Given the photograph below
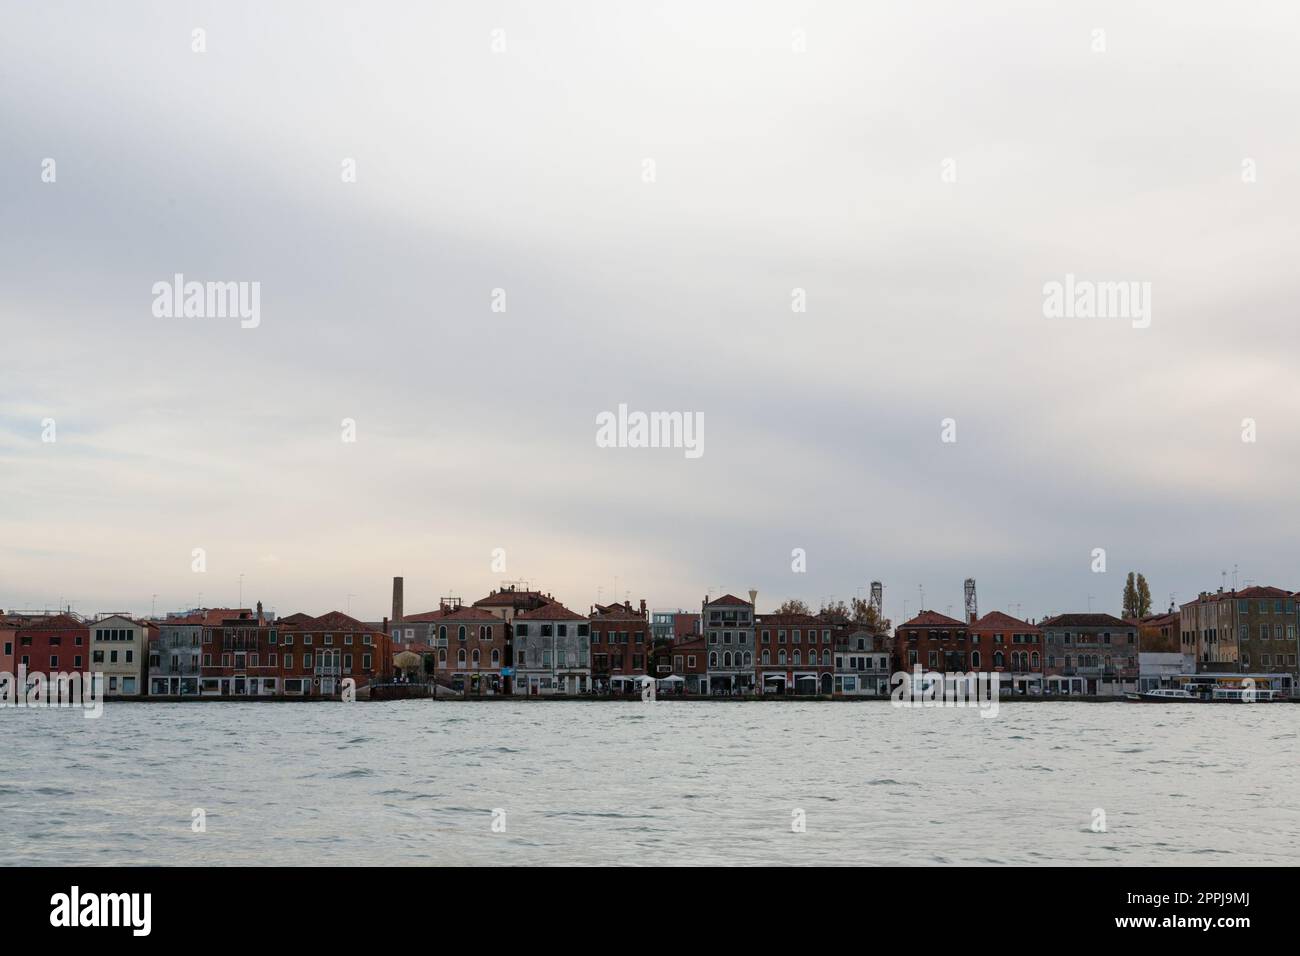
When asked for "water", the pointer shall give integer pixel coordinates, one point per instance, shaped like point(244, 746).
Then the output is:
point(416, 782)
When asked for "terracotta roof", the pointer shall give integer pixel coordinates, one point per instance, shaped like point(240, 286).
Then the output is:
point(462, 613)
point(1256, 591)
point(336, 621)
point(999, 622)
point(298, 618)
point(553, 611)
point(1083, 620)
point(616, 612)
point(216, 616)
point(59, 622)
point(728, 599)
point(932, 619)
point(771, 619)
point(510, 598)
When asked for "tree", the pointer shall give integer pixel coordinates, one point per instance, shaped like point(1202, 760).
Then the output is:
point(793, 606)
point(1144, 596)
point(1137, 596)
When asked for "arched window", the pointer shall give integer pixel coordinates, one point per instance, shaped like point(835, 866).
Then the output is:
point(460, 657)
point(998, 659)
point(442, 657)
point(780, 657)
point(974, 660)
point(713, 658)
point(748, 659)
point(767, 656)
point(1035, 660)
point(496, 657)
point(726, 659)
point(460, 632)
point(798, 659)
point(826, 658)
point(476, 657)
point(442, 633)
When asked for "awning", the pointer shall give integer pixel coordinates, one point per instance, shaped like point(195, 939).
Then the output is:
point(672, 679)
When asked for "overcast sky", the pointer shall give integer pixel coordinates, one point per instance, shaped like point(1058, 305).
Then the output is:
point(794, 146)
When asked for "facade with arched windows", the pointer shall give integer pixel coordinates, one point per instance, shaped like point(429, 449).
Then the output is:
point(727, 624)
point(1009, 647)
point(470, 647)
point(796, 654)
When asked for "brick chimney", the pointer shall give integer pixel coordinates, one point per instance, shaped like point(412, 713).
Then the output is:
point(397, 601)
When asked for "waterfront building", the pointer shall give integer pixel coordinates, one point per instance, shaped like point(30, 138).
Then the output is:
point(318, 654)
point(1090, 654)
point(728, 625)
point(240, 653)
point(862, 664)
point(620, 646)
point(470, 644)
point(1006, 645)
point(552, 650)
point(8, 641)
point(795, 654)
point(119, 649)
point(1254, 628)
point(176, 651)
point(51, 644)
point(690, 661)
point(933, 641)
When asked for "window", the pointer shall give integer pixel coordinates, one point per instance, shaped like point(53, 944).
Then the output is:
point(365, 662)
point(460, 635)
point(288, 662)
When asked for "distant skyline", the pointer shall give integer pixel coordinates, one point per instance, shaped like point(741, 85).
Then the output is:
point(653, 195)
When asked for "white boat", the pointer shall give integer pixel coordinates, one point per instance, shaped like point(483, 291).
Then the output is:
point(1165, 695)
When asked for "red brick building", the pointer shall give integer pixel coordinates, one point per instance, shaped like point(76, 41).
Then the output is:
point(934, 641)
point(796, 654)
point(470, 644)
point(53, 644)
point(1009, 646)
point(621, 645)
point(318, 653)
point(239, 654)
point(688, 659)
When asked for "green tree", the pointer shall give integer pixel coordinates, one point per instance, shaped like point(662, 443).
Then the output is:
point(1137, 596)
point(1144, 596)
point(793, 606)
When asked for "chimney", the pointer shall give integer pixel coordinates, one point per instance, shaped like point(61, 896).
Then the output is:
point(753, 597)
point(385, 625)
point(260, 619)
point(397, 601)
point(643, 607)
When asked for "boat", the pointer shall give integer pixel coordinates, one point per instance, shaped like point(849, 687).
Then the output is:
point(1165, 695)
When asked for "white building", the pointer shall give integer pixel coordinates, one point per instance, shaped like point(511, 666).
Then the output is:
point(552, 647)
point(119, 649)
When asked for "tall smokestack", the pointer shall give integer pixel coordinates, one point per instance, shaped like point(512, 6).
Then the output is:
point(753, 597)
point(397, 601)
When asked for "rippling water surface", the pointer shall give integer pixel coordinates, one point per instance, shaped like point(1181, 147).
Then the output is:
point(416, 782)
